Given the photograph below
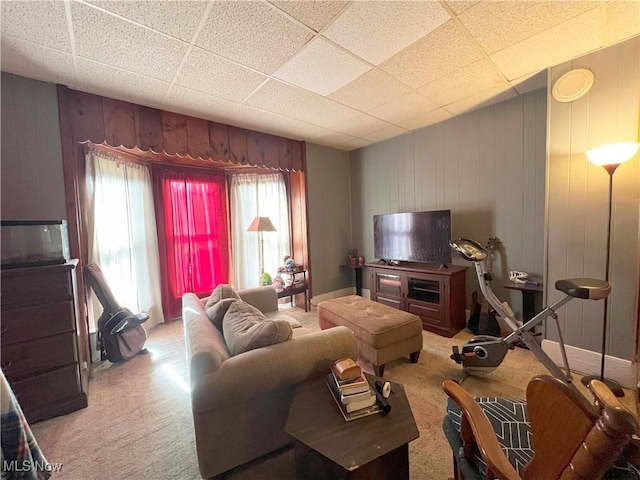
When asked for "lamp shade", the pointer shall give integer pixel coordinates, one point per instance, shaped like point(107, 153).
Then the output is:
point(261, 224)
point(613, 154)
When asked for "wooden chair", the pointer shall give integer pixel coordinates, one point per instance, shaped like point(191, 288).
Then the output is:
point(556, 434)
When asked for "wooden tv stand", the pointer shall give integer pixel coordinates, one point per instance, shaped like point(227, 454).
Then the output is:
point(433, 292)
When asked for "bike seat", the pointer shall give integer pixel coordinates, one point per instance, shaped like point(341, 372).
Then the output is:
point(588, 288)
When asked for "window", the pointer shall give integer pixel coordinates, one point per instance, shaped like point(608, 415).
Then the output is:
point(263, 195)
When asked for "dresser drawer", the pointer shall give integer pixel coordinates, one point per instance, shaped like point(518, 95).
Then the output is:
point(21, 288)
point(46, 389)
point(390, 302)
point(29, 323)
point(430, 313)
point(25, 359)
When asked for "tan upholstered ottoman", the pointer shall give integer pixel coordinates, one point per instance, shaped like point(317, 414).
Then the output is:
point(382, 333)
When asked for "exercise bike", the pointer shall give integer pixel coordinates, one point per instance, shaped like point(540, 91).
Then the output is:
point(483, 354)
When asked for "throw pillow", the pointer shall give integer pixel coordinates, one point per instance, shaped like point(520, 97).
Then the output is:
point(221, 292)
point(217, 311)
point(245, 328)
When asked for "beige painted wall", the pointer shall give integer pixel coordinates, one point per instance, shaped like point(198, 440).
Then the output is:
point(577, 198)
point(31, 155)
point(487, 167)
point(329, 217)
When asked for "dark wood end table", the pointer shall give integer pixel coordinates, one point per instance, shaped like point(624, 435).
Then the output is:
point(531, 298)
point(328, 447)
point(294, 289)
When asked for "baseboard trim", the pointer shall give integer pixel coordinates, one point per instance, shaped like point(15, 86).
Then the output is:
point(587, 362)
point(330, 295)
point(366, 293)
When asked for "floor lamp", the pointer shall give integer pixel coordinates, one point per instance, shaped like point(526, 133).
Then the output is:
point(610, 157)
point(261, 224)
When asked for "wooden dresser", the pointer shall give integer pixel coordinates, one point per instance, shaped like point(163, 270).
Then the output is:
point(40, 356)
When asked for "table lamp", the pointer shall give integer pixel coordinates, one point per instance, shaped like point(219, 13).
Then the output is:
point(261, 224)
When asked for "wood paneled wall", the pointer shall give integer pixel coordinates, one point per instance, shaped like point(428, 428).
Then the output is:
point(487, 167)
point(578, 192)
point(299, 227)
point(103, 120)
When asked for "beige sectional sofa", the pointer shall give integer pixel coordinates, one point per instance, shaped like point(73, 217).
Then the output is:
point(240, 403)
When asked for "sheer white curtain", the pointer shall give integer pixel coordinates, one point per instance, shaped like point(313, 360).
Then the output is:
point(122, 234)
point(253, 195)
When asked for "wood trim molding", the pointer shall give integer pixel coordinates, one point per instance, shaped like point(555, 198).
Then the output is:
point(123, 125)
point(77, 244)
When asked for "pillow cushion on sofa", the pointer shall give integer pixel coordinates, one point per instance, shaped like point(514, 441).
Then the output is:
point(221, 292)
point(245, 328)
point(217, 311)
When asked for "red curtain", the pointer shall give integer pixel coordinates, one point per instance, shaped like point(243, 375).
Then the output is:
point(191, 209)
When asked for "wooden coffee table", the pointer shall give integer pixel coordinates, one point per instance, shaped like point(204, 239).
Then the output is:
point(327, 446)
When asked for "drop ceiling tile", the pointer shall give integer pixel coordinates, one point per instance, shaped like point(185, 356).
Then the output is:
point(252, 34)
point(474, 78)
point(176, 18)
point(254, 119)
point(552, 46)
point(198, 104)
point(330, 138)
point(289, 101)
point(354, 144)
point(496, 25)
point(376, 31)
point(370, 90)
point(428, 59)
point(403, 108)
point(426, 119)
point(361, 125)
point(321, 67)
point(208, 73)
point(32, 60)
point(385, 134)
point(313, 13)
point(112, 82)
point(107, 39)
point(480, 100)
point(459, 6)
point(530, 82)
point(326, 113)
point(43, 22)
point(623, 20)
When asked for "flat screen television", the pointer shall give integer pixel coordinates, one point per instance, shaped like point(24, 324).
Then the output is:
point(413, 237)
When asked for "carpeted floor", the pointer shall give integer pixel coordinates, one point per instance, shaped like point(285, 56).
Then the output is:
point(138, 424)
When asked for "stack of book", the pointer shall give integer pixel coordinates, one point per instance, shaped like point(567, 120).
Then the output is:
point(351, 390)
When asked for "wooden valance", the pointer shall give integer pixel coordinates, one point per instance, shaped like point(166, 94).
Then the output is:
point(103, 120)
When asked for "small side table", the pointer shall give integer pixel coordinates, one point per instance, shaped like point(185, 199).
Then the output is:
point(327, 447)
point(294, 289)
point(531, 298)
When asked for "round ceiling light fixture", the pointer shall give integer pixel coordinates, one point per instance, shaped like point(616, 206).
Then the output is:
point(573, 85)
